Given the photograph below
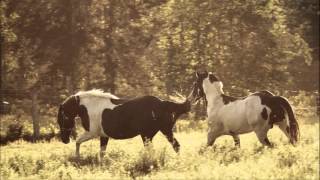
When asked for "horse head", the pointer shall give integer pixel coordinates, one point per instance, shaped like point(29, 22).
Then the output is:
point(67, 112)
point(204, 80)
point(183, 102)
point(197, 90)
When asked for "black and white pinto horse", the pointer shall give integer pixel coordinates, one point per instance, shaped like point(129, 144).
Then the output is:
point(88, 105)
point(257, 112)
point(105, 115)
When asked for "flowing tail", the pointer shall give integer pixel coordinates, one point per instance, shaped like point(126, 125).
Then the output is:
point(293, 123)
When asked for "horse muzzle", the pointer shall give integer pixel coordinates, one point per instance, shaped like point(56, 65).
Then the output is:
point(65, 140)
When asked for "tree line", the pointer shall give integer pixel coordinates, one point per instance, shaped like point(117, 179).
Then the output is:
point(51, 49)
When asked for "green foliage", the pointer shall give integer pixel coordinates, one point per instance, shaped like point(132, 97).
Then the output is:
point(16, 131)
point(129, 159)
point(58, 47)
point(134, 48)
point(144, 164)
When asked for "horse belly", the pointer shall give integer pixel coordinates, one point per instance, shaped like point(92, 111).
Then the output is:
point(234, 119)
point(121, 135)
point(254, 109)
point(119, 128)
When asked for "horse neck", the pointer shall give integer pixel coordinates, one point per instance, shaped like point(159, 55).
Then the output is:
point(214, 101)
point(178, 108)
point(213, 96)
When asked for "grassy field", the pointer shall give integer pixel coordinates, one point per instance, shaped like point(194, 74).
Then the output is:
point(126, 159)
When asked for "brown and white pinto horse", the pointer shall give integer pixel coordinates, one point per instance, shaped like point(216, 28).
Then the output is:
point(257, 112)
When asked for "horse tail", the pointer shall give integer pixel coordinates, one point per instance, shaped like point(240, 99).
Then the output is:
point(59, 118)
point(294, 131)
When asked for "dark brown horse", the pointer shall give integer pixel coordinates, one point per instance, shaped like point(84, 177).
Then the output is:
point(144, 116)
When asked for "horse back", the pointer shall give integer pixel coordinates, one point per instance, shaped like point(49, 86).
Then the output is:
point(132, 118)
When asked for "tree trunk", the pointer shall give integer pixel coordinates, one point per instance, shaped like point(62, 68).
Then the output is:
point(35, 115)
point(170, 79)
point(199, 54)
point(70, 47)
point(110, 64)
point(1, 71)
point(69, 84)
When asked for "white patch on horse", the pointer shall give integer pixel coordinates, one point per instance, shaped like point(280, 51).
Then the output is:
point(153, 115)
point(96, 101)
point(96, 93)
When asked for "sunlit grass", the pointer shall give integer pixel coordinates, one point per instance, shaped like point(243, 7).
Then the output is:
point(126, 159)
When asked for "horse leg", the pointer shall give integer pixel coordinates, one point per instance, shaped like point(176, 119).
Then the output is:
point(103, 145)
point(263, 138)
point(211, 138)
point(173, 141)
point(215, 130)
point(146, 140)
point(84, 137)
point(236, 139)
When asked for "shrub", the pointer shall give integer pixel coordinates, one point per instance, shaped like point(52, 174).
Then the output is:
point(3, 138)
point(17, 131)
point(14, 132)
point(286, 159)
point(148, 160)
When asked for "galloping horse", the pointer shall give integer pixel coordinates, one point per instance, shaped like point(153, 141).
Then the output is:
point(103, 114)
point(257, 112)
point(88, 105)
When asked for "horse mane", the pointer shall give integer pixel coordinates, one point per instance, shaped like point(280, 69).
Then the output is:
point(96, 93)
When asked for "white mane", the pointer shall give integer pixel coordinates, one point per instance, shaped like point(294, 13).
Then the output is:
point(96, 93)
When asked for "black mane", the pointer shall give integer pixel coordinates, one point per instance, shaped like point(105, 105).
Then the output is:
point(227, 99)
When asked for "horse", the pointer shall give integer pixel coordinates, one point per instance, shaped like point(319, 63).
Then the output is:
point(98, 112)
point(88, 105)
point(257, 112)
point(144, 116)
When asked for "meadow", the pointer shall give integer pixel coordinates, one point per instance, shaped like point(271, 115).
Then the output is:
point(127, 159)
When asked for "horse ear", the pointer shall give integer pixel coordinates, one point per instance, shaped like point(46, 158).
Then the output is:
point(197, 74)
point(205, 73)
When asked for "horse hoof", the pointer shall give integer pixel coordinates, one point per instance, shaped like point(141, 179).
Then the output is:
point(203, 149)
point(271, 146)
point(102, 154)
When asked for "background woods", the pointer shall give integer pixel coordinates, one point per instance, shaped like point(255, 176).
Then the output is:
point(51, 49)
